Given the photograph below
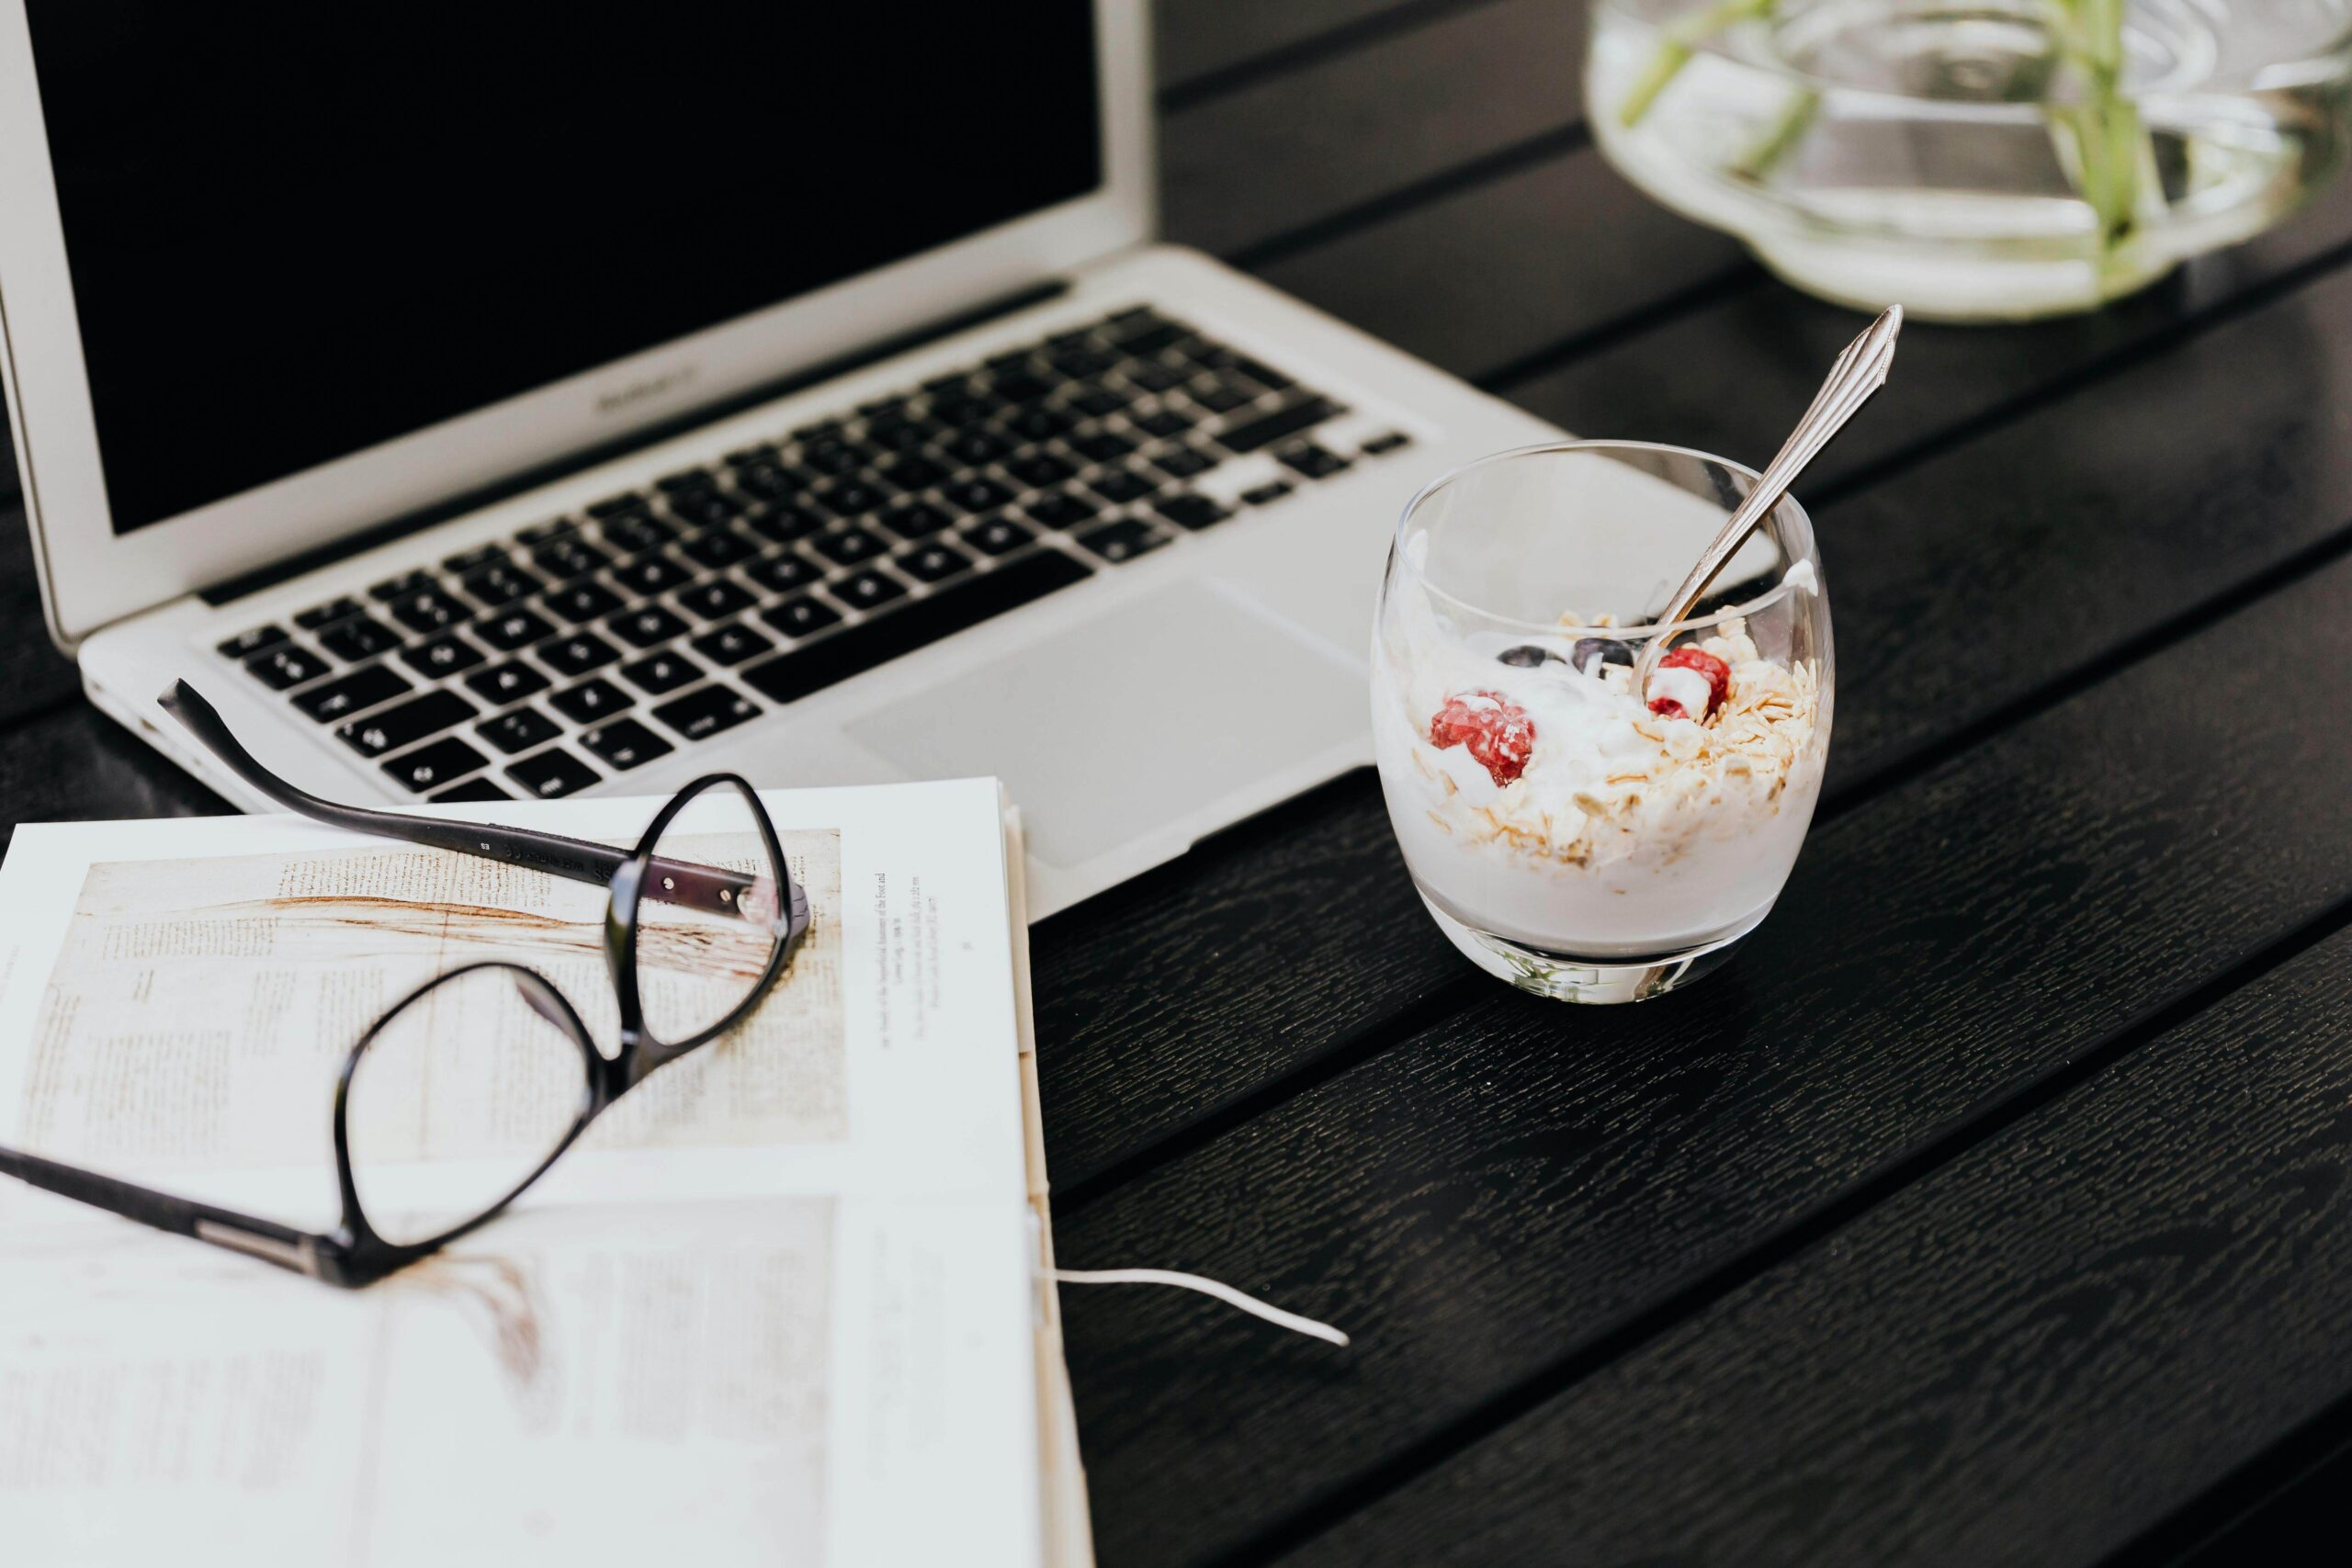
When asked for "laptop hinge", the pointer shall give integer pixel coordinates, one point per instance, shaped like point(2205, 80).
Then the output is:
point(369, 537)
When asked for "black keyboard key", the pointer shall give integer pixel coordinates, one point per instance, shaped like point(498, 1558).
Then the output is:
point(1164, 421)
point(615, 506)
point(648, 575)
point(475, 559)
point(428, 609)
point(1120, 485)
point(1272, 490)
point(429, 765)
point(360, 689)
point(508, 683)
point(683, 480)
point(286, 666)
point(472, 789)
point(636, 535)
point(744, 457)
point(568, 558)
point(1059, 509)
point(868, 590)
point(312, 619)
point(719, 548)
point(704, 714)
point(974, 495)
point(998, 535)
point(501, 583)
point(1183, 462)
point(1387, 442)
point(405, 724)
point(1039, 470)
point(786, 523)
point(358, 638)
point(769, 482)
point(510, 629)
point(590, 701)
point(784, 574)
point(851, 498)
point(900, 433)
point(1022, 386)
point(625, 744)
point(802, 616)
point(934, 562)
point(974, 448)
point(730, 644)
point(519, 730)
point(706, 508)
point(1150, 375)
point(583, 602)
point(576, 654)
point(959, 409)
point(447, 655)
point(553, 773)
point(793, 675)
point(407, 583)
point(834, 455)
point(916, 520)
point(1125, 540)
point(1038, 424)
point(1152, 337)
point(1312, 460)
point(911, 473)
point(1222, 397)
point(1251, 435)
point(661, 672)
point(715, 600)
point(1098, 400)
point(1102, 445)
point(244, 645)
point(540, 533)
point(1264, 375)
point(1190, 511)
point(646, 626)
point(850, 546)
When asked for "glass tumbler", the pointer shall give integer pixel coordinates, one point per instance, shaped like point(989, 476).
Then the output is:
point(1569, 834)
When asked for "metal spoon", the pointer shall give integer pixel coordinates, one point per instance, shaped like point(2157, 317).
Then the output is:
point(1859, 371)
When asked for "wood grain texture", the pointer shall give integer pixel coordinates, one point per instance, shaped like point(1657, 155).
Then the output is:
point(1765, 347)
point(38, 677)
point(1195, 43)
point(1530, 263)
point(1277, 155)
point(1477, 1203)
point(74, 764)
point(2032, 1355)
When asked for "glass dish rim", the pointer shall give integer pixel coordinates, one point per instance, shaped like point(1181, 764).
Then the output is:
point(1640, 631)
point(2253, 77)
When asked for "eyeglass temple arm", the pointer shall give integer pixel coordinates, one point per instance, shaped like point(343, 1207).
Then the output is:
point(577, 859)
point(316, 1255)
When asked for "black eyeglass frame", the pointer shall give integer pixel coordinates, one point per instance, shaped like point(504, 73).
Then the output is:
point(354, 1254)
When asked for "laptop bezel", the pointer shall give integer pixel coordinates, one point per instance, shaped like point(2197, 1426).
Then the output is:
point(90, 576)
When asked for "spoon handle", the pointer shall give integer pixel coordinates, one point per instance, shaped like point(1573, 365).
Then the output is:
point(1859, 371)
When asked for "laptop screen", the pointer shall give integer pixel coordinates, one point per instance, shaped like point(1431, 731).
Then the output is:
point(296, 231)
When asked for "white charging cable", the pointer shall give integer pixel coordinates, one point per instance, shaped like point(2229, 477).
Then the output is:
point(1223, 1292)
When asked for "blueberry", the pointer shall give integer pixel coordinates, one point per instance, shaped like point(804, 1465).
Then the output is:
point(1526, 656)
point(1609, 648)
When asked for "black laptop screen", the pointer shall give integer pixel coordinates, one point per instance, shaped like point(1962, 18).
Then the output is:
point(296, 231)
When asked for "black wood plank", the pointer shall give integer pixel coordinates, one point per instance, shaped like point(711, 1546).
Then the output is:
point(1520, 267)
point(1201, 47)
point(1963, 591)
point(1766, 347)
point(74, 764)
point(1279, 155)
point(39, 677)
point(2032, 1355)
point(1486, 1205)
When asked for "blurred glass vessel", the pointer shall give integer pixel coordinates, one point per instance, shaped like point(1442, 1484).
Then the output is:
point(1975, 159)
point(1569, 835)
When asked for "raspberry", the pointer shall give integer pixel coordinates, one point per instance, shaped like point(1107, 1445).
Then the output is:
point(1716, 673)
point(1498, 732)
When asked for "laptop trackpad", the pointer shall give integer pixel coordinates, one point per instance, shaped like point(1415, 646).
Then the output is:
point(1125, 724)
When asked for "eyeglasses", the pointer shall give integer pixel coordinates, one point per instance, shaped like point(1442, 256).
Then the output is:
point(703, 917)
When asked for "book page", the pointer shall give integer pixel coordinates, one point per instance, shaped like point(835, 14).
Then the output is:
point(783, 1285)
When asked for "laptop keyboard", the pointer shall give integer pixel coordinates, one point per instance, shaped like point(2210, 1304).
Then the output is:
point(588, 645)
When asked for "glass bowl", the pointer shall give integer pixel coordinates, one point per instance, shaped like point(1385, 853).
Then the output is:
point(1974, 159)
point(1569, 836)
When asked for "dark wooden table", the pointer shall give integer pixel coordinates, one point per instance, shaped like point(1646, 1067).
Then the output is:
point(1993, 1205)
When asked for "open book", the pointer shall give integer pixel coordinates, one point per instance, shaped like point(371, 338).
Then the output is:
point(786, 1304)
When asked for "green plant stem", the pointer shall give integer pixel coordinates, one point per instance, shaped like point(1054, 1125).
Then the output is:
point(1674, 51)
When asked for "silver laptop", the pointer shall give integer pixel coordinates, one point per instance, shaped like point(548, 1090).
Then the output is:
point(530, 408)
